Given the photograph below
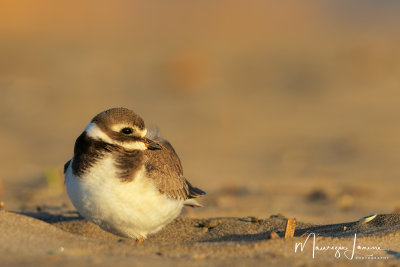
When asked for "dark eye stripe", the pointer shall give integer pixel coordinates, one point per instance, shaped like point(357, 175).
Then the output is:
point(127, 130)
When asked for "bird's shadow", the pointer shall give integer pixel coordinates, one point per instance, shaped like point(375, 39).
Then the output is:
point(52, 218)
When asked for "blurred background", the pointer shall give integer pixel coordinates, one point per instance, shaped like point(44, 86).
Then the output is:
point(287, 107)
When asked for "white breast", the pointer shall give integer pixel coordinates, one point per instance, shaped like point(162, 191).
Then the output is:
point(133, 209)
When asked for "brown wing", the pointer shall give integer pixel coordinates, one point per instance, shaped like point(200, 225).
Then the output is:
point(164, 167)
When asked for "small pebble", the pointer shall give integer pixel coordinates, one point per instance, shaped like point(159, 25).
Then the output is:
point(210, 224)
point(273, 235)
point(251, 219)
point(254, 220)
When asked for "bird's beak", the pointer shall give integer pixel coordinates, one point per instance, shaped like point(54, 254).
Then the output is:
point(151, 145)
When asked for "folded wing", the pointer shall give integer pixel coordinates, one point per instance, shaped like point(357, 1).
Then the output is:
point(165, 169)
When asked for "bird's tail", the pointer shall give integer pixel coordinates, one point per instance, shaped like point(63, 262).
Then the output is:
point(192, 203)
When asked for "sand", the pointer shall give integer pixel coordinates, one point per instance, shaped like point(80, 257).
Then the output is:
point(277, 110)
point(65, 239)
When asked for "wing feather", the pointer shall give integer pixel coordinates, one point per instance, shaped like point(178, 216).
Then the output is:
point(165, 169)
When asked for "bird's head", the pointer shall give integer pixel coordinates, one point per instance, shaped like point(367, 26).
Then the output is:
point(123, 127)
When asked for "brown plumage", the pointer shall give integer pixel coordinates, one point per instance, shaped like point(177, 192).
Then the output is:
point(125, 181)
point(162, 165)
point(165, 169)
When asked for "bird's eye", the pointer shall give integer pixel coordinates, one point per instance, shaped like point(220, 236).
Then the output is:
point(127, 130)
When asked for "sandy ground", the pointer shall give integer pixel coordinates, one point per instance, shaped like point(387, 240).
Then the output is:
point(63, 239)
point(277, 110)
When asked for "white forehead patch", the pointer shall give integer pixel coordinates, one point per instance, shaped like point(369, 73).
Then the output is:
point(93, 131)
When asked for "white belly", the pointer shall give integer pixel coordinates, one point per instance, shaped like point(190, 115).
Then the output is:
point(132, 209)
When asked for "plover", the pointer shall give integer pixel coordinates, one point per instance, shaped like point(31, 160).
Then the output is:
point(124, 180)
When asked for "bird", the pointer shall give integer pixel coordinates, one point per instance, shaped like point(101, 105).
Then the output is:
point(125, 179)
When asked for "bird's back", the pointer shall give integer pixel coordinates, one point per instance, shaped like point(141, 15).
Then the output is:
point(164, 167)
